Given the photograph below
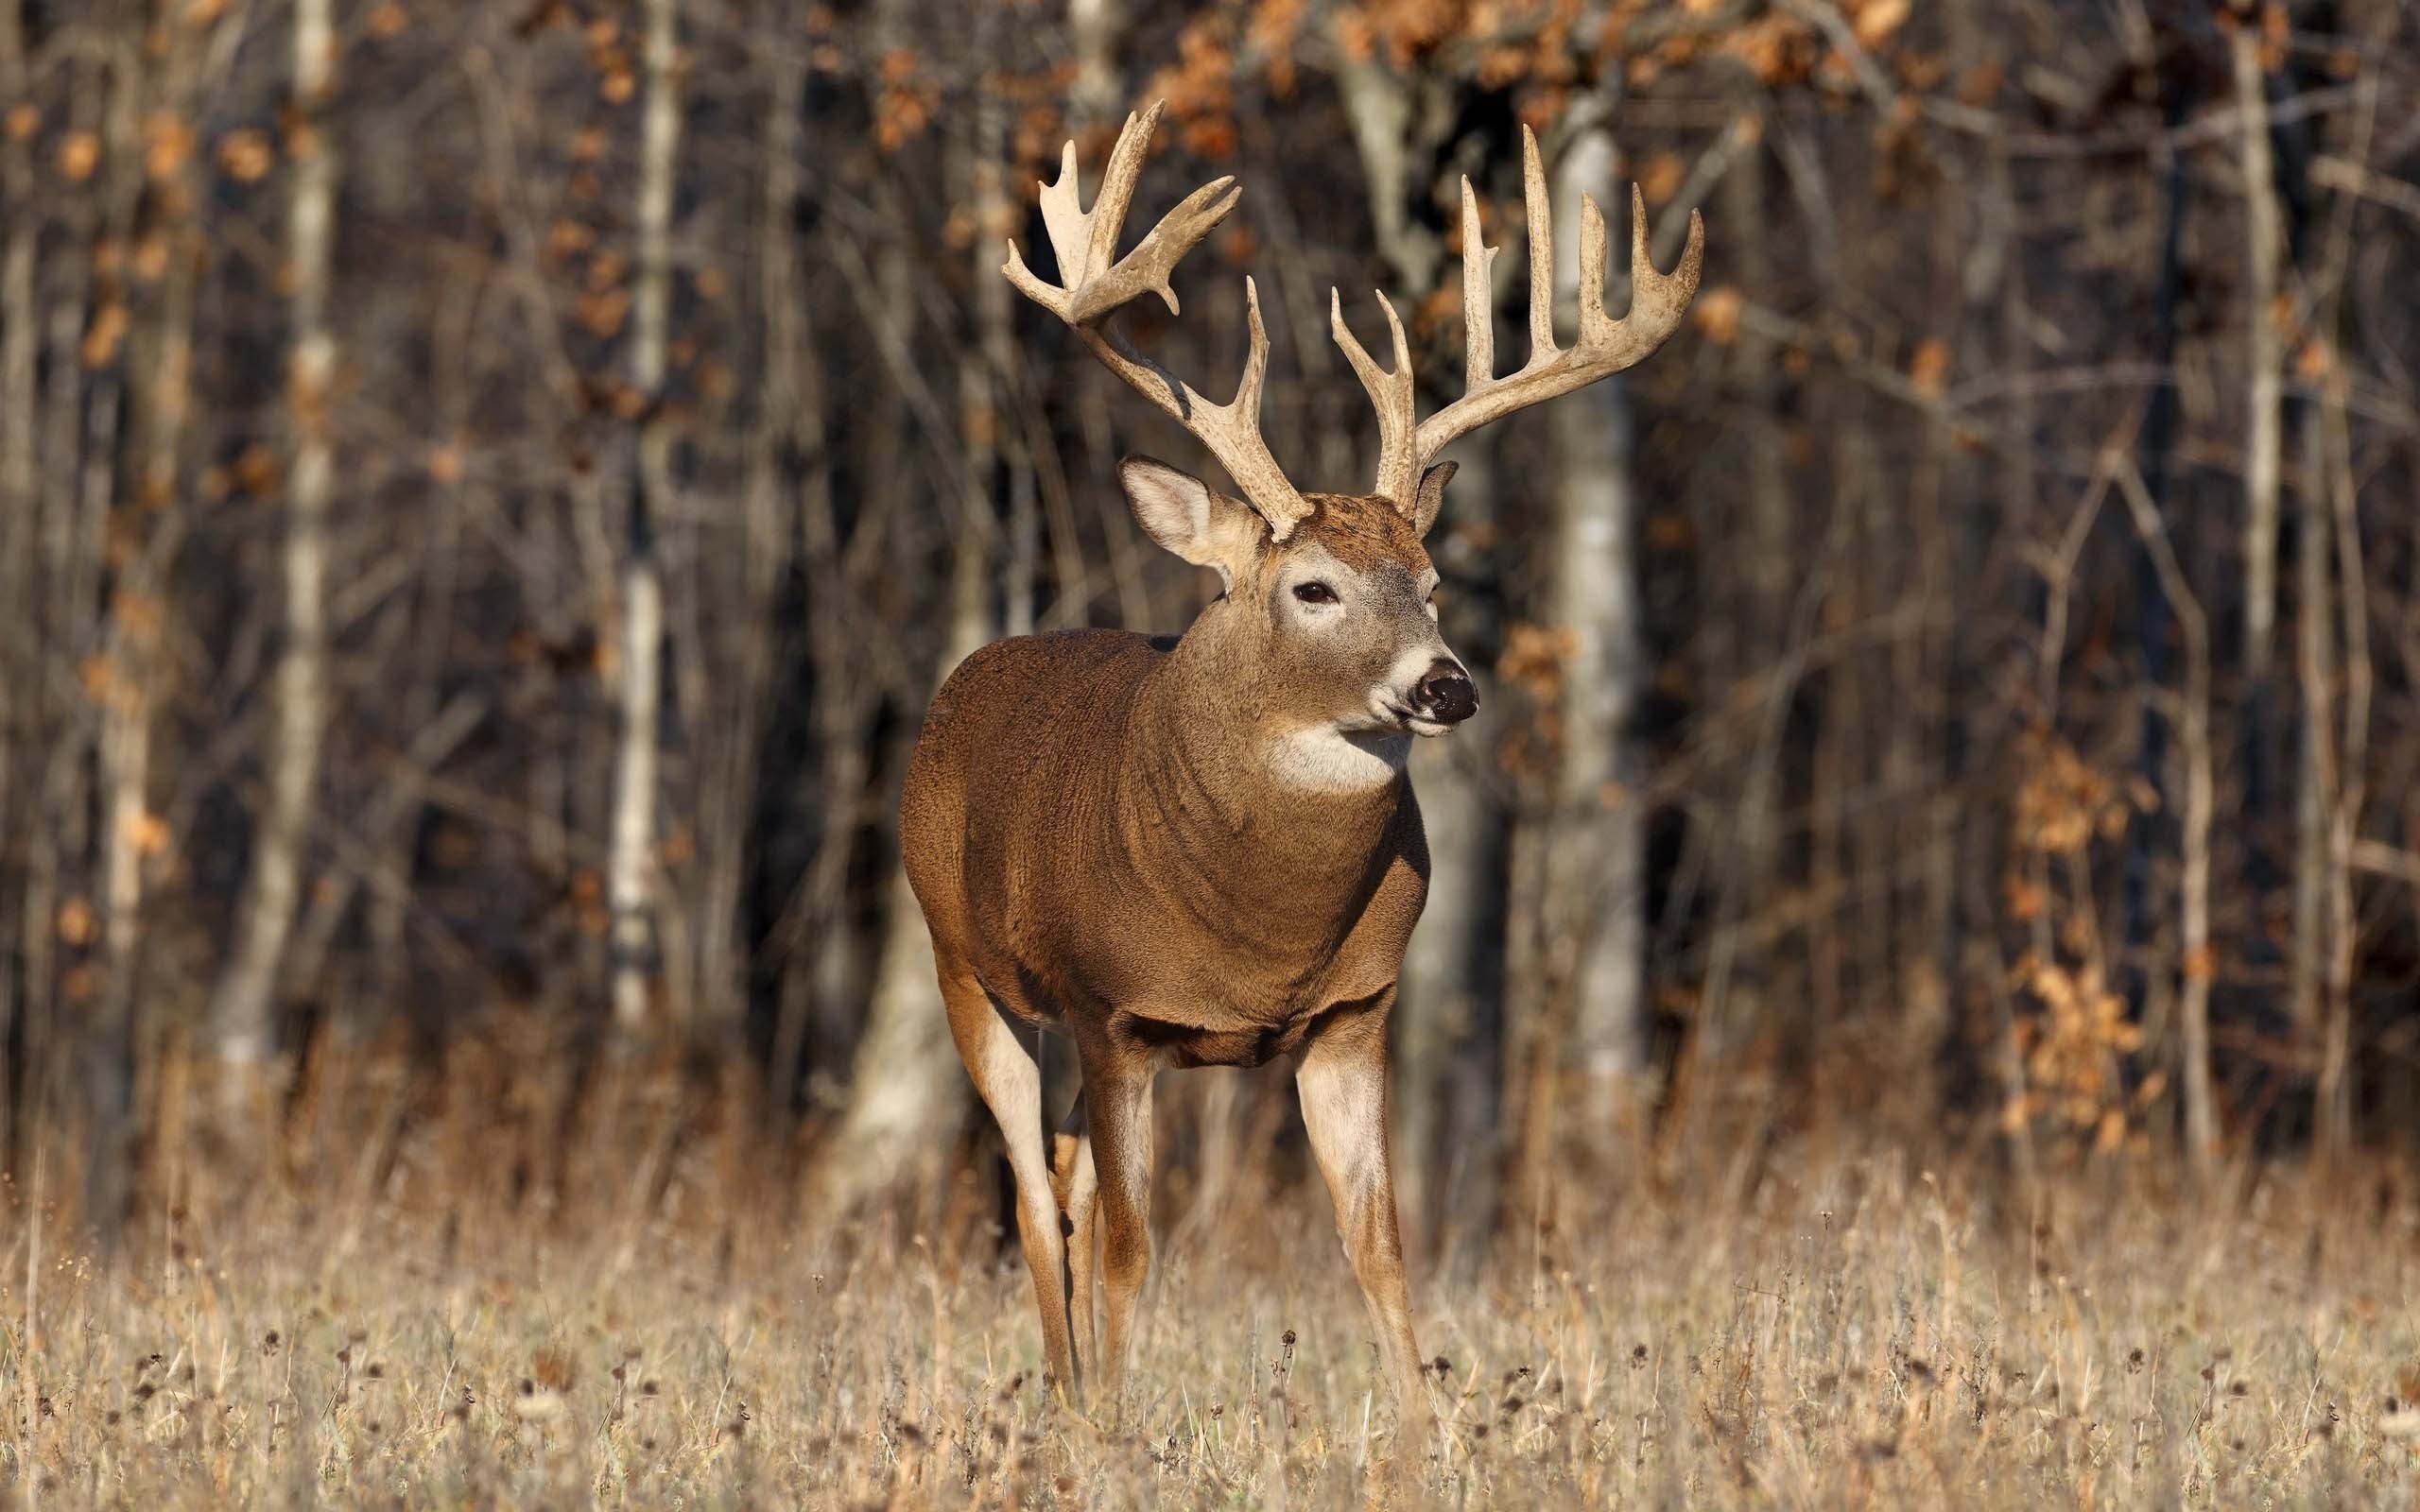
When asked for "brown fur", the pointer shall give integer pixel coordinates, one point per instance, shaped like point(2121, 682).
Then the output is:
point(1102, 849)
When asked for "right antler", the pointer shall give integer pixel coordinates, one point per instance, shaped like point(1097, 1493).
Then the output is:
point(1094, 287)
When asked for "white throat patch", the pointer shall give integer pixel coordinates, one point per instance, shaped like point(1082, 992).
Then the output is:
point(1324, 759)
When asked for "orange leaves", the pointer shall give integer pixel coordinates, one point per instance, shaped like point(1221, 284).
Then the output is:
point(1534, 661)
point(21, 122)
point(604, 301)
point(907, 101)
point(1775, 49)
point(2073, 1049)
point(245, 156)
point(566, 239)
point(2063, 803)
point(1717, 314)
point(1199, 88)
point(1534, 657)
point(616, 80)
point(1874, 22)
point(1270, 34)
point(79, 923)
point(602, 314)
point(1929, 368)
point(1660, 176)
point(258, 470)
point(148, 833)
point(107, 332)
point(78, 155)
point(167, 145)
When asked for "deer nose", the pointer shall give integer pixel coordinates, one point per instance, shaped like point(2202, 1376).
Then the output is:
point(1445, 692)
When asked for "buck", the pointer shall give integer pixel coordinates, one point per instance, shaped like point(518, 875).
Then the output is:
point(1205, 851)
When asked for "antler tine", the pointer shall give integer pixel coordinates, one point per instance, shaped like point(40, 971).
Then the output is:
point(1478, 297)
point(1537, 211)
point(1391, 395)
point(1095, 284)
point(1604, 346)
point(1660, 299)
point(1592, 262)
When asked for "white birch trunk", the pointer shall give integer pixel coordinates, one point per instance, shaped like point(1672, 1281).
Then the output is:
point(241, 1018)
point(2263, 429)
point(631, 859)
point(1596, 860)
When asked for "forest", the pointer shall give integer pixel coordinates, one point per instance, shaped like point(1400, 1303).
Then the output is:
point(486, 491)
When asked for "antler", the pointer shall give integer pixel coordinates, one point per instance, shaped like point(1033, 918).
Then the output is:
point(1605, 346)
point(1095, 284)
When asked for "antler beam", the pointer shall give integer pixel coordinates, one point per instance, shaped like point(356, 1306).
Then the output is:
point(1095, 284)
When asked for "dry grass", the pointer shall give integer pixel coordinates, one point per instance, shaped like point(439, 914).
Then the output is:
point(1859, 1333)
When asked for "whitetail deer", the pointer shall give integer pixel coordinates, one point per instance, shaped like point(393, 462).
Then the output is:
point(1203, 851)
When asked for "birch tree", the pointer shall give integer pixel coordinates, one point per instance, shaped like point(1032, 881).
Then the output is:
point(1595, 859)
point(241, 1020)
point(630, 860)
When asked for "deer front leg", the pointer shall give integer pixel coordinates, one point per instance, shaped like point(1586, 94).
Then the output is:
point(1077, 1187)
point(1342, 1080)
point(1117, 1106)
point(1003, 1060)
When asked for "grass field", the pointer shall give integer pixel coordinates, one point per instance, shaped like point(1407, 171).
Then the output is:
point(1860, 1331)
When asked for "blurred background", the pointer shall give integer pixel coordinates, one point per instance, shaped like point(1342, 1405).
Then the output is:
point(486, 490)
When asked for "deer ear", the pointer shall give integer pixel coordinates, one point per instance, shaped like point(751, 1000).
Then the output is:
point(1190, 518)
point(1431, 496)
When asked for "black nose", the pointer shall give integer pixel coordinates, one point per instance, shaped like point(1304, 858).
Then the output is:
point(1445, 692)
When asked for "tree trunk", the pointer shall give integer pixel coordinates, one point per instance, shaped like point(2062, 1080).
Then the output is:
point(630, 861)
point(906, 1092)
point(2194, 963)
point(2317, 780)
point(2263, 420)
point(1096, 23)
point(1595, 858)
point(1447, 1018)
point(242, 1030)
point(21, 646)
point(157, 393)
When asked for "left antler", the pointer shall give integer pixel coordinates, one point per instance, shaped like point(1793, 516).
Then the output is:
point(1605, 346)
point(1095, 283)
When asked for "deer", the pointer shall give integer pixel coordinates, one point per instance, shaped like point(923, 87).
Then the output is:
point(1204, 850)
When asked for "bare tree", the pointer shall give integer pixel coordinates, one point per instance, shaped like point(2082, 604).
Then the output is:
point(631, 875)
point(1595, 858)
point(241, 1027)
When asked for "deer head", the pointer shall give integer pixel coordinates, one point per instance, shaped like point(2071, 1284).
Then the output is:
point(1327, 601)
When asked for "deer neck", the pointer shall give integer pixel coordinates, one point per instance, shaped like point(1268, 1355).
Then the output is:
point(1242, 792)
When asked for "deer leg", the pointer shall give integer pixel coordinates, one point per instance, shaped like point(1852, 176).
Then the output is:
point(1342, 1080)
point(1077, 1185)
point(1004, 1060)
point(1117, 1094)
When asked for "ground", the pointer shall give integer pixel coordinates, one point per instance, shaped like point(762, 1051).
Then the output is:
point(1860, 1330)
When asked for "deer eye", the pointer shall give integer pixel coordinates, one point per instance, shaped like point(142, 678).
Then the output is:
point(1315, 592)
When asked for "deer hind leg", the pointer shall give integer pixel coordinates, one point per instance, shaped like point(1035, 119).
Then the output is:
point(1077, 1184)
point(1004, 1060)
point(1342, 1080)
point(1117, 1097)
